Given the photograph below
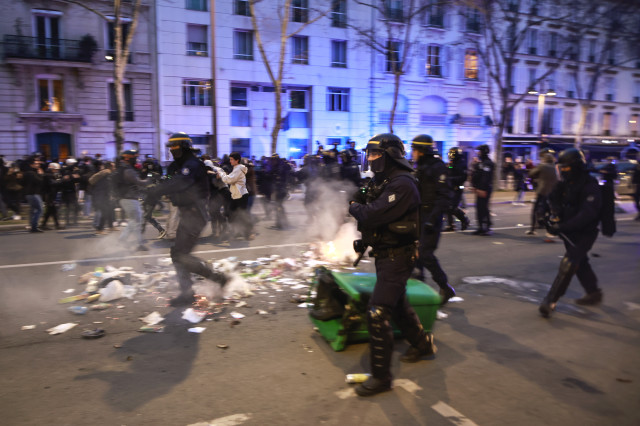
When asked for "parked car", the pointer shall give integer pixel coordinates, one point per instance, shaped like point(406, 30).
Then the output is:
point(625, 169)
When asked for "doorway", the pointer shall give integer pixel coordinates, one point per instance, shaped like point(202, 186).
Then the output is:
point(54, 145)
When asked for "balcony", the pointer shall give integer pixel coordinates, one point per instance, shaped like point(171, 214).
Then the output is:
point(24, 47)
point(399, 118)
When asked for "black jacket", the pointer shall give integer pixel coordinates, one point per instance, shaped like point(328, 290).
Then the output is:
point(482, 176)
point(577, 203)
point(435, 192)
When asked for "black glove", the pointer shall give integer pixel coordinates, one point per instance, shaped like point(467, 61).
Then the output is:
point(360, 196)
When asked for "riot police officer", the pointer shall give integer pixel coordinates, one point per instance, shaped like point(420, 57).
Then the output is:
point(576, 202)
point(482, 182)
point(456, 175)
point(387, 215)
point(187, 186)
point(435, 198)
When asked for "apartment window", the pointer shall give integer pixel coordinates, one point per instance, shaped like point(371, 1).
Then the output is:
point(197, 40)
point(339, 13)
point(339, 53)
point(128, 104)
point(197, 5)
point(240, 114)
point(607, 119)
point(393, 60)
point(473, 20)
point(471, 64)
point(300, 50)
point(196, 92)
point(633, 124)
point(241, 7)
point(532, 42)
point(241, 146)
point(434, 64)
point(435, 14)
point(572, 90)
point(574, 48)
point(553, 44)
point(51, 94)
point(393, 10)
point(47, 32)
point(532, 79)
point(610, 88)
point(636, 92)
point(298, 99)
point(243, 45)
point(612, 54)
point(528, 120)
point(535, 7)
point(514, 6)
point(110, 51)
point(337, 99)
point(569, 121)
point(299, 10)
point(592, 49)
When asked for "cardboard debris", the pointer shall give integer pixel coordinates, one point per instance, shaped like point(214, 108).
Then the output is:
point(153, 318)
point(59, 329)
point(192, 316)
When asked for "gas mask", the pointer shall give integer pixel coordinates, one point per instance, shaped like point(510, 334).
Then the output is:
point(176, 151)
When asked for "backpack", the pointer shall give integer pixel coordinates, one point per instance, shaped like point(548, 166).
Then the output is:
point(607, 212)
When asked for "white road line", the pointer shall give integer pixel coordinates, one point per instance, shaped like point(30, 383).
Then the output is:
point(148, 256)
point(450, 414)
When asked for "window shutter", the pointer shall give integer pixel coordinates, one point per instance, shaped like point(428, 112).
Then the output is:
point(614, 123)
point(444, 60)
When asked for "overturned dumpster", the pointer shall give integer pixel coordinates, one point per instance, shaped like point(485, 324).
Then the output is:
point(339, 308)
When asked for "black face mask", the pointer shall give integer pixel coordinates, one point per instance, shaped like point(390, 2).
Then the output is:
point(377, 165)
point(176, 152)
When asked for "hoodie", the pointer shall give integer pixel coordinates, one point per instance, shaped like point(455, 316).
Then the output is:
point(237, 180)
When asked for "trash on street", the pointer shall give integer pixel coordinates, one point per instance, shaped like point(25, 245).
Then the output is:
point(61, 328)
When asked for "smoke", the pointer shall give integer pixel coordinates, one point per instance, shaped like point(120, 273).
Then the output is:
point(328, 209)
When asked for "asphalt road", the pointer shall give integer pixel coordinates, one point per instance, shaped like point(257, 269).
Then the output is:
point(499, 362)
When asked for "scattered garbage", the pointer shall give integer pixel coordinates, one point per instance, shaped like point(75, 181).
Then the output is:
point(27, 327)
point(153, 318)
point(59, 329)
point(152, 328)
point(223, 346)
point(93, 334)
point(357, 378)
point(68, 267)
point(100, 306)
point(237, 315)
point(192, 316)
point(456, 299)
point(75, 298)
point(69, 290)
point(441, 315)
point(196, 329)
point(78, 310)
point(114, 290)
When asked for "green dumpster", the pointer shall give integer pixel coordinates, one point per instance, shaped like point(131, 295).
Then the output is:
point(339, 309)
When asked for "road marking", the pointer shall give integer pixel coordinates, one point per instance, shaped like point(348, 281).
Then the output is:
point(408, 385)
point(232, 420)
point(148, 256)
point(450, 414)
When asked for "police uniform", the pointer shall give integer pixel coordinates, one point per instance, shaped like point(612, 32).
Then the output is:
point(576, 201)
point(482, 179)
point(187, 186)
point(391, 204)
point(435, 199)
point(456, 175)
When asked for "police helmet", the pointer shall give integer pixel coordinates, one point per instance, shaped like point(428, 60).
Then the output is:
point(483, 149)
point(391, 145)
point(71, 162)
point(454, 153)
point(54, 166)
point(424, 144)
point(572, 158)
point(180, 139)
point(130, 152)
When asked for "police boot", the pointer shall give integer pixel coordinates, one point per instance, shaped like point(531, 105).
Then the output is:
point(446, 293)
point(373, 386)
point(546, 307)
point(415, 353)
point(558, 288)
point(449, 228)
point(590, 299)
point(465, 222)
point(183, 299)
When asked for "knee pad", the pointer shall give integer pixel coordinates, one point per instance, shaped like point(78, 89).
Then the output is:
point(378, 315)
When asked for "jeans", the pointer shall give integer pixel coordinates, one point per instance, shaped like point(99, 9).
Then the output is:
point(35, 209)
point(134, 220)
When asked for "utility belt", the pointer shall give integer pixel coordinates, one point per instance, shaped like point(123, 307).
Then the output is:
point(408, 250)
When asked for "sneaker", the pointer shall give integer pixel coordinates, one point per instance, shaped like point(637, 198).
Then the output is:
point(162, 234)
point(546, 308)
point(35, 230)
point(373, 386)
point(183, 299)
point(530, 232)
point(446, 293)
point(590, 299)
point(414, 354)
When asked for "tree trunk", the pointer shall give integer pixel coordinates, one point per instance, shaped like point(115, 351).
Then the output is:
point(278, 118)
point(396, 91)
point(584, 108)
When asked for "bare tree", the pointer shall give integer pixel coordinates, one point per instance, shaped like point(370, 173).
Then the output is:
point(614, 23)
point(121, 54)
point(503, 30)
point(262, 19)
point(393, 34)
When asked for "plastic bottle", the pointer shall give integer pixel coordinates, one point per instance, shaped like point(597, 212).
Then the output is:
point(356, 378)
point(78, 310)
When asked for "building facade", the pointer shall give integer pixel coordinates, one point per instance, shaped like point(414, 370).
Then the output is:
point(56, 76)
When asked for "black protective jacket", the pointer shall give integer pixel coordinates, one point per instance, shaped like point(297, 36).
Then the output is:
point(186, 183)
point(577, 203)
point(482, 176)
point(435, 192)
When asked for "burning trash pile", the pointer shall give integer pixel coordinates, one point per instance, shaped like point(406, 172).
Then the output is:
point(106, 288)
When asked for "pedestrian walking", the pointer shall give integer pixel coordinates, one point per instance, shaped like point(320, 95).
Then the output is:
point(545, 177)
point(237, 181)
point(392, 199)
point(33, 183)
point(51, 189)
point(435, 199)
point(576, 204)
point(128, 188)
point(482, 182)
point(187, 188)
point(101, 190)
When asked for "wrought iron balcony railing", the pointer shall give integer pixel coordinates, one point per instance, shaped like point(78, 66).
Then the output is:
point(44, 48)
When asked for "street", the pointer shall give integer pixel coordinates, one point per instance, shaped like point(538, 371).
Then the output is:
point(498, 361)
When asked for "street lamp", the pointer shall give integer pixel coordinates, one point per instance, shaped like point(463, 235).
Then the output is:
point(541, 99)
